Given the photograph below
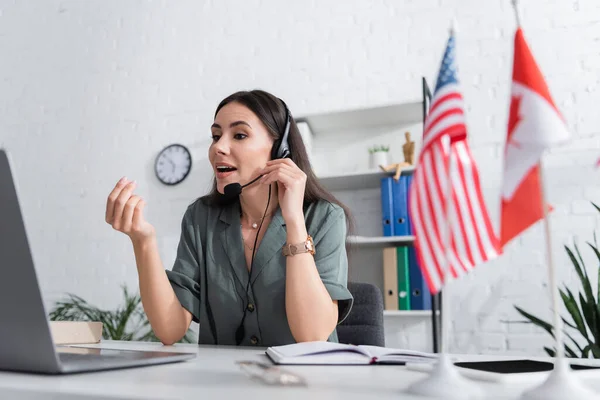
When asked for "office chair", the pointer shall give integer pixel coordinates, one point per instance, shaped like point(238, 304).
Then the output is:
point(364, 324)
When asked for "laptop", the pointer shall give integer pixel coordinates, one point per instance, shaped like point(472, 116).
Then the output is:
point(26, 343)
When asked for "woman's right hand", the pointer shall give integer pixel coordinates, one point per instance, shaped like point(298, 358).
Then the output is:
point(125, 212)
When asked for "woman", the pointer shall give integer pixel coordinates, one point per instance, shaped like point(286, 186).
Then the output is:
point(234, 272)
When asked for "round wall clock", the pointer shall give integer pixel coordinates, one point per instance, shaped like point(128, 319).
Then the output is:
point(173, 164)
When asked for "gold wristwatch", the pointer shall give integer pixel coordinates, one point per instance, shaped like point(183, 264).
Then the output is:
point(304, 247)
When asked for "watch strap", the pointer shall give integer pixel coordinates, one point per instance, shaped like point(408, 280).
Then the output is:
point(291, 249)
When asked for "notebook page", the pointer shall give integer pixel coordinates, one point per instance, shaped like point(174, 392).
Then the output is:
point(383, 353)
point(315, 348)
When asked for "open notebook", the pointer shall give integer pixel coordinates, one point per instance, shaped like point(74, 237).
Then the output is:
point(321, 353)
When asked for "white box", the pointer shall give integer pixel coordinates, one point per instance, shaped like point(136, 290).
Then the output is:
point(76, 332)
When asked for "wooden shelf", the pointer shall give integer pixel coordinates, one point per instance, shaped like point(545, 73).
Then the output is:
point(380, 241)
point(407, 313)
point(392, 115)
point(369, 179)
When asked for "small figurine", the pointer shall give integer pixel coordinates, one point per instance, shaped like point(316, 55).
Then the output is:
point(408, 149)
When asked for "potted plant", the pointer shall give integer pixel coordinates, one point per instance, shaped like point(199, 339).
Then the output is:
point(583, 309)
point(379, 156)
point(129, 322)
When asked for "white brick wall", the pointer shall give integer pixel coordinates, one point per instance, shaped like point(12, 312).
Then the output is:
point(91, 90)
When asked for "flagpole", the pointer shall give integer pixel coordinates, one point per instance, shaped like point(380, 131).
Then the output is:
point(515, 4)
point(557, 321)
point(561, 383)
point(447, 256)
point(445, 381)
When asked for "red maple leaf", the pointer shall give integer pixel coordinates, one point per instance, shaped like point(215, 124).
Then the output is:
point(514, 118)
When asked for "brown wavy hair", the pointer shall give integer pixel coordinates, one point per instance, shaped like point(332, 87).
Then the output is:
point(272, 112)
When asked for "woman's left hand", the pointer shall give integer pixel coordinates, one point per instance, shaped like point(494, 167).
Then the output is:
point(291, 182)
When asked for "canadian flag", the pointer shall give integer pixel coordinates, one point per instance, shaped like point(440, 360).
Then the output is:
point(534, 124)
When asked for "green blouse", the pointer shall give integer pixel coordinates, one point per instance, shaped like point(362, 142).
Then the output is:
point(210, 273)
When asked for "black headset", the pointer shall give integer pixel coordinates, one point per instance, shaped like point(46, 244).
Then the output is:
point(280, 149)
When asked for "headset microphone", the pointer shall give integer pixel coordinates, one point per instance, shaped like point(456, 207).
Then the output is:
point(233, 190)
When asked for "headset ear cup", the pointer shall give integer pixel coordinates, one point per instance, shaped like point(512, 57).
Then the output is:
point(275, 150)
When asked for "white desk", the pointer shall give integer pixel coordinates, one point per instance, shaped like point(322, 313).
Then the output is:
point(214, 374)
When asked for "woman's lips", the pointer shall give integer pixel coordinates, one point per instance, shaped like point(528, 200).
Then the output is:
point(222, 175)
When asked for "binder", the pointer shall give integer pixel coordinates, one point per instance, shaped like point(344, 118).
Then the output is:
point(387, 206)
point(409, 179)
point(400, 205)
point(420, 296)
point(390, 279)
point(403, 279)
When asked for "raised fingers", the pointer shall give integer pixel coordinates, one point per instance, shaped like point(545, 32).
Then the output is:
point(112, 197)
point(120, 203)
point(138, 214)
point(272, 166)
point(280, 175)
point(127, 219)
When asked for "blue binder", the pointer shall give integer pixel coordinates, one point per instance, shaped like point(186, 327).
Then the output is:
point(420, 296)
point(400, 196)
point(387, 206)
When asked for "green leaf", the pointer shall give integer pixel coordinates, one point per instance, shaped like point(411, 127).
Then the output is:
point(536, 321)
point(574, 342)
point(586, 352)
point(131, 304)
point(551, 352)
point(567, 323)
point(571, 305)
point(581, 272)
point(593, 348)
point(589, 312)
point(594, 247)
point(570, 353)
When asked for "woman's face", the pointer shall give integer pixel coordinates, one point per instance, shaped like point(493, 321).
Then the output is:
point(241, 145)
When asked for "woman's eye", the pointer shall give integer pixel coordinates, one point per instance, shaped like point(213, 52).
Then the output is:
point(215, 137)
point(239, 136)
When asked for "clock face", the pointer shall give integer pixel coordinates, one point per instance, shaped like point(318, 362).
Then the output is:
point(173, 164)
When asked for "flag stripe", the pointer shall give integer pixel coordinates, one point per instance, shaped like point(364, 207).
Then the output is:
point(444, 110)
point(464, 203)
point(461, 237)
point(426, 256)
point(428, 219)
point(461, 230)
point(488, 238)
point(453, 125)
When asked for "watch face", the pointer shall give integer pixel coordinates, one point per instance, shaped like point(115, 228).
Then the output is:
point(173, 164)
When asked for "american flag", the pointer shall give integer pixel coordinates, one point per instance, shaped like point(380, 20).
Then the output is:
point(472, 238)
